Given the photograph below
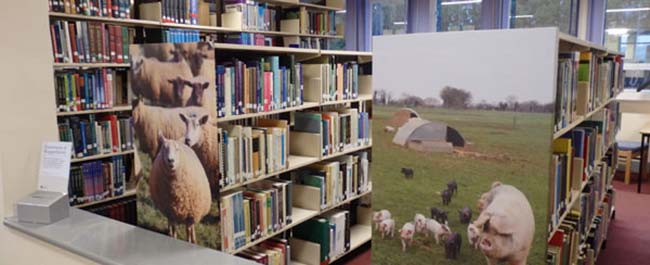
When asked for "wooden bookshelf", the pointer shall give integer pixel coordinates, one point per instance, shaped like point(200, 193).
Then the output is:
point(91, 65)
point(119, 21)
point(265, 49)
point(101, 156)
point(299, 216)
point(128, 193)
point(305, 105)
point(82, 112)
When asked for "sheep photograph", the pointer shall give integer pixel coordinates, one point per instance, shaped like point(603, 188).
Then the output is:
point(173, 117)
point(461, 163)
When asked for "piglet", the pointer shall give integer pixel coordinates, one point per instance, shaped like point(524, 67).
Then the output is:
point(452, 246)
point(408, 172)
point(438, 230)
point(465, 215)
point(387, 228)
point(406, 233)
point(379, 216)
point(452, 186)
point(446, 196)
point(420, 223)
point(506, 226)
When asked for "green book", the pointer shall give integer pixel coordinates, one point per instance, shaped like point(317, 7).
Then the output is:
point(317, 182)
point(316, 230)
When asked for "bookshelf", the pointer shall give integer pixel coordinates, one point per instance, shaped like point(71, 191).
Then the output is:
point(82, 112)
point(128, 193)
point(584, 151)
point(90, 65)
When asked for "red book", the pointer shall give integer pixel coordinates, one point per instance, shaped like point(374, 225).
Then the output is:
point(112, 44)
point(79, 85)
point(118, 44)
point(55, 49)
point(109, 9)
point(73, 42)
point(102, 31)
point(114, 133)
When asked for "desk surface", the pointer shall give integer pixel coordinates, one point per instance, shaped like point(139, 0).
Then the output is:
point(645, 129)
point(108, 241)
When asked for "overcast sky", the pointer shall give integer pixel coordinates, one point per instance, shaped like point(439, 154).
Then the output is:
point(490, 66)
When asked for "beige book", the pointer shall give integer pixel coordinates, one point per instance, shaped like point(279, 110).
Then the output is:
point(151, 11)
point(582, 100)
point(232, 20)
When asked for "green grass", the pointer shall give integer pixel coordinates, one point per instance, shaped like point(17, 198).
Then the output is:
point(518, 155)
point(208, 232)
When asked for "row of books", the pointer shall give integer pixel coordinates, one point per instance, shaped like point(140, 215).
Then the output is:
point(248, 152)
point(254, 212)
point(93, 135)
point(334, 181)
point(249, 15)
point(181, 35)
point(259, 85)
point(332, 81)
point(98, 8)
point(575, 157)
point(585, 82)
point(123, 211)
point(274, 251)
point(90, 89)
point(245, 38)
point(90, 42)
point(338, 130)
point(97, 180)
point(331, 231)
point(180, 11)
point(317, 22)
point(579, 237)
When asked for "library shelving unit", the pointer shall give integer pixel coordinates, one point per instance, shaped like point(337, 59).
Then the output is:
point(584, 150)
point(72, 110)
point(360, 233)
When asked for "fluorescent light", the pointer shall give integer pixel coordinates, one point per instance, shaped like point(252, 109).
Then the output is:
point(399, 23)
point(628, 10)
point(341, 11)
point(617, 31)
point(524, 16)
point(461, 2)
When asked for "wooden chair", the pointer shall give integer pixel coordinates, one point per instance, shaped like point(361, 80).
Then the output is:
point(629, 150)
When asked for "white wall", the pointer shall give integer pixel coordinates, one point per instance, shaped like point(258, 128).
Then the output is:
point(27, 117)
point(635, 108)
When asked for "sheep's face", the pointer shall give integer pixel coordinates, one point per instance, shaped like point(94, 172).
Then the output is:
point(170, 153)
point(193, 127)
point(197, 92)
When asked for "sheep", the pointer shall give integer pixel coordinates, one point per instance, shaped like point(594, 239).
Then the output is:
point(198, 85)
point(147, 120)
point(389, 129)
point(201, 136)
point(196, 54)
point(154, 80)
point(179, 186)
point(162, 52)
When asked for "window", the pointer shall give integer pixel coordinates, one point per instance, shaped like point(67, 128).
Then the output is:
point(543, 13)
point(388, 17)
point(456, 15)
point(627, 27)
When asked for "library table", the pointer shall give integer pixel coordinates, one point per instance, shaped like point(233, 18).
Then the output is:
point(107, 241)
point(645, 142)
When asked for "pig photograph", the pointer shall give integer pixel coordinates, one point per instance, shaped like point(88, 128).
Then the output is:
point(173, 118)
point(460, 161)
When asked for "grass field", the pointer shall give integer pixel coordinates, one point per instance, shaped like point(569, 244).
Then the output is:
point(208, 232)
point(515, 153)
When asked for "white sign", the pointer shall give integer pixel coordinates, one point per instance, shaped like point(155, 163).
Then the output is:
point(54, 171)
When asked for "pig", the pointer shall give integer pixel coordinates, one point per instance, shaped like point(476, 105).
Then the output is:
point(439, 215)
point(442, 217)
point(505, 228)
point(408, 172)
point(486, 198)
point(379, 216)
point(473, 234)
point(465, 215)
point(439, 231)
point(406, 234)
point(446, 196)
point(452, 246)
point(420, 222)
point(452, 186)
point(387, 228)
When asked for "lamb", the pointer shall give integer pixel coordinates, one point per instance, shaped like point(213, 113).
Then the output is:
point(440, 231)
point(387, 228)
point(198, 86)
point(379, 216)
point(154, 80)
point(201, 136)
point(147, 120)
point(179, 186)
point(406, 234)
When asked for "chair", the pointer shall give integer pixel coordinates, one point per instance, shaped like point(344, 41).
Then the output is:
point(629, 150)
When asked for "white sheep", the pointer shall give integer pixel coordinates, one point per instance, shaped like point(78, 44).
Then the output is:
point(179, 186)
point(202, 136)
point(147, 120)
point(389, 129)
point(155, 80)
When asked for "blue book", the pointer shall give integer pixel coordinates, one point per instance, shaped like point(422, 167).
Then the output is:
point(284, 87)
point(82, 130)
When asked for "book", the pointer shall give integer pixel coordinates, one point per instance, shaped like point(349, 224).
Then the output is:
point(89, 42)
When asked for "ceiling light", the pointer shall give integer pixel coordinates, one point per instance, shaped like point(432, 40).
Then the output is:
point(617, 31)
point(461, 2)
point(619, 10)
